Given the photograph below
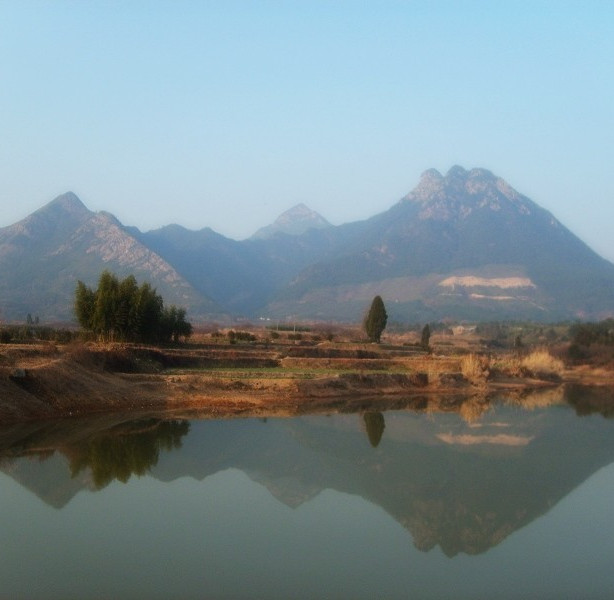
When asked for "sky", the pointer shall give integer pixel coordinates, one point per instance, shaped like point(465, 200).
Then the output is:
point(225, 114)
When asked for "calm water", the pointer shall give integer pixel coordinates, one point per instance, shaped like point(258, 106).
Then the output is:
point(497, 502)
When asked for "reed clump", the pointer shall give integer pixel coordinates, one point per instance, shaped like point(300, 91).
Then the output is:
point(541, 362)
point(475, 368)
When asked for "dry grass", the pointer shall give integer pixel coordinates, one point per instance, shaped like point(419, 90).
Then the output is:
point(475, 368)
point(542, 362)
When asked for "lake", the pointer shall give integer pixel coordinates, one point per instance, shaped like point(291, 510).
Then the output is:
point(510, 499)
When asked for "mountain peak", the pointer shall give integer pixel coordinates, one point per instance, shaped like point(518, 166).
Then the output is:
point(298, 210)
point(461, 192)
point(431, 175)
point(54, 219)
point(294, 221)
point(68, 202)
point(456, 172)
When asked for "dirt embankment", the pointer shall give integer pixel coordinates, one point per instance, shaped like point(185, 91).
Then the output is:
point(42, 381)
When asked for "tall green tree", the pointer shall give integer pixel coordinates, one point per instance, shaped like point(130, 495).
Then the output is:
point(149, 313)
point(123, 310)
point(85, 300)
point(183, 328)
point(105, 305)
point(376, 319)
point(174, 324)
point(425, 337)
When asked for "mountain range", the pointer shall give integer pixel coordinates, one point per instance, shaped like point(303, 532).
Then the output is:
point(464, 245)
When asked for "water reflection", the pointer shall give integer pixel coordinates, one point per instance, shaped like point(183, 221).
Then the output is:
point(375, 424)
point(461, 475)
point(130, 448)
point(593, 400)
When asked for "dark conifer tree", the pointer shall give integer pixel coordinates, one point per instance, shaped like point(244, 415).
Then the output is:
point(376, 319)
point(425, 337)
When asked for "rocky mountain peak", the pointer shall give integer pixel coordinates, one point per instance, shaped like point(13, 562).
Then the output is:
point(461, 192)
point(52, 220)
point(67, 203)
point(294, 221)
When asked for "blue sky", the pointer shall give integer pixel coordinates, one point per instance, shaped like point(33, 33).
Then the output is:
point(224, 114)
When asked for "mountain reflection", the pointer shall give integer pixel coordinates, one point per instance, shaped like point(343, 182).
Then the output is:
point(461, 476)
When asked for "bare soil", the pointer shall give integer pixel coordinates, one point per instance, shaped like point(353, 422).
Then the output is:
point(42, 381)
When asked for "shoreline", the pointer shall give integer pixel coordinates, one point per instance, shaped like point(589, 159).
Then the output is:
point(42, 382)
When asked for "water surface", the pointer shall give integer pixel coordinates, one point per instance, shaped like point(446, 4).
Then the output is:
point(502, 502)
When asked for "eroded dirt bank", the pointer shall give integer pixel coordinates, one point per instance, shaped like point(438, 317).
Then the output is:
point(45, 382)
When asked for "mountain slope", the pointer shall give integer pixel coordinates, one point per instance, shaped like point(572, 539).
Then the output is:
point(43, 256)
point(241, 276)
point(464, 245)
point(220, 268)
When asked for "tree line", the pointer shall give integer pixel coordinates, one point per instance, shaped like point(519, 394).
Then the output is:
point(124, 311)
point(585, 334)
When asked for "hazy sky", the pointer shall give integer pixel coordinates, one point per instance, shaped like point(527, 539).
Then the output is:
point(224, 114)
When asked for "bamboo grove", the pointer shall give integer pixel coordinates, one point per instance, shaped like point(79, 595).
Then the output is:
point(124, 311)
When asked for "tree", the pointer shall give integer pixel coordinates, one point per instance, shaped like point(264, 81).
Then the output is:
point(174, 325)
point(105, 305)
point(125, 309)
point(84, 305)
point(426, 337)
point(181, 328)
point(375, 321)
point(122, 310)
point(149, 312)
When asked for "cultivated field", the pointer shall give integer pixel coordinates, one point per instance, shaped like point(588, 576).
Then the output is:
point(268, 372)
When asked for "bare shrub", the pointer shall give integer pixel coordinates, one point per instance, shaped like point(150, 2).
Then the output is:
point(541, 362)
point(508, 365)
point(475, 368)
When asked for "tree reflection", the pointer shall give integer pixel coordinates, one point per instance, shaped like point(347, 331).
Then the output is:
point(375, 424)
point(589, 400)
point(123, 451)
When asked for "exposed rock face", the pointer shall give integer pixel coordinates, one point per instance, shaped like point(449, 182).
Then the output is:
point(461, 192)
